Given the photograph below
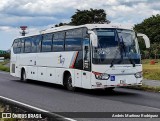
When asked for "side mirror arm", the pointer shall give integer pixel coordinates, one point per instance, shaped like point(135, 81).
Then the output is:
point(146, 39)
point(93, 38)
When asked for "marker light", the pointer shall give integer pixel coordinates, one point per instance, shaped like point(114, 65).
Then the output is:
point(101, 76)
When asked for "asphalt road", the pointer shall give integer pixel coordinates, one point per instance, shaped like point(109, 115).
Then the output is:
point(55, 98)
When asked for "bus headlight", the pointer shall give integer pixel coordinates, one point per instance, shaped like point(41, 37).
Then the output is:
point(101, 76)
point(138, 75)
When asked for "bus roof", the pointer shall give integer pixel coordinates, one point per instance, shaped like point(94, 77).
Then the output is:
point(88, 26)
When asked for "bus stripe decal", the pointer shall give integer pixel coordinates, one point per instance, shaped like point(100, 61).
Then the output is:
point(73, 60)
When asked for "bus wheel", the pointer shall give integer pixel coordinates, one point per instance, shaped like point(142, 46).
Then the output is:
point(23, 76)
point(69, 83)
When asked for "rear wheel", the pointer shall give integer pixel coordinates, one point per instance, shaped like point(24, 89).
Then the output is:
point(23, 76)
point(68, 83)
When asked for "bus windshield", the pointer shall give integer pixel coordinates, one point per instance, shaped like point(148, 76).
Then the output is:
point(116, 46)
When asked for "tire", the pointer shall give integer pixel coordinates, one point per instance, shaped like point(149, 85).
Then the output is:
point(23, 76)
point(68, 83)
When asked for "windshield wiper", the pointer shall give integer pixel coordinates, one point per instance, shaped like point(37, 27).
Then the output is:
point(132, 62)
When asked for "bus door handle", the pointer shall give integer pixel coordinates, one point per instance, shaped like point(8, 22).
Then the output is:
point(84, 73)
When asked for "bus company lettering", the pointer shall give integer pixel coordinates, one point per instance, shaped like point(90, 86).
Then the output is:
point(61, 60)
point(29, 116)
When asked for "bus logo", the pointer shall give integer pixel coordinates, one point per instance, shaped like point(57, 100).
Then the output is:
point(61, 60)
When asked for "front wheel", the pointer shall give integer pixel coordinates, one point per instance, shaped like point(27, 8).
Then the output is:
point(69, 84)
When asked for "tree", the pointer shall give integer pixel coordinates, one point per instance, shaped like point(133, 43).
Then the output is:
point(60, 24)
point(89, 17)
point(150, 27)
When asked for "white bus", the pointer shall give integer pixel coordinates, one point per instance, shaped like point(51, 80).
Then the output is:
point(91, 56)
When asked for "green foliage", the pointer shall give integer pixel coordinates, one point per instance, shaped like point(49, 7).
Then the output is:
point(61, 24)
point(150, 88)
point(146, 88)
point(150, 27)
point(151, 72)
point(5, 55)
point(87, 17)
point(3, 67)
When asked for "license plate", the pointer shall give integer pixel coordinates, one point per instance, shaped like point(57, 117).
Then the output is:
point(112, 78)
point(122, 81)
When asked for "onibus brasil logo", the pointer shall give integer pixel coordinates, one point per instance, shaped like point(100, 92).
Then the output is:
point(61, 60)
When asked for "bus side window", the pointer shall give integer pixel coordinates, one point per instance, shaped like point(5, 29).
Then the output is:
point(47, 43)
point(58, 42)
point(35, 44)
point(73, 40)
point(28, 45)
point(15, 46)
point(22, 45)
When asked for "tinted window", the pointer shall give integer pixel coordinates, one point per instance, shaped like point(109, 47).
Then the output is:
point(28, 45)
point(22, 45)
point(15, 46)
point(73, 44)
point(58, 41)
point(19, 46)
point(47, 43)
point(75, 33)
point(73, 40)
point(35, 43)
point(107, 38)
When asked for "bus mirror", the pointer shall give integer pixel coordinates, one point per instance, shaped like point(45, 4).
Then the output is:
point(93, 38)
point(146, 39)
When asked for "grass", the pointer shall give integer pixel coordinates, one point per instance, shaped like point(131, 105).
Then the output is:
point(151, 72)
point(3, 67)
point(150, 88)
point(2, 106)
point(146, 88)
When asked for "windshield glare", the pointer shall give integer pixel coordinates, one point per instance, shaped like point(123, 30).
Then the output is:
point(116, 45)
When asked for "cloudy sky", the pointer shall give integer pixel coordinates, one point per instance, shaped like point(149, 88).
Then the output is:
point(41, 14)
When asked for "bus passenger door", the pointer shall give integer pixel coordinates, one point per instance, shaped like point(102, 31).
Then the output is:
point(86, 74)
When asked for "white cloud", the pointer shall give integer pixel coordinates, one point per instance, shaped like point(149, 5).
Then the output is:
point(40, 14)
point(20, 11)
